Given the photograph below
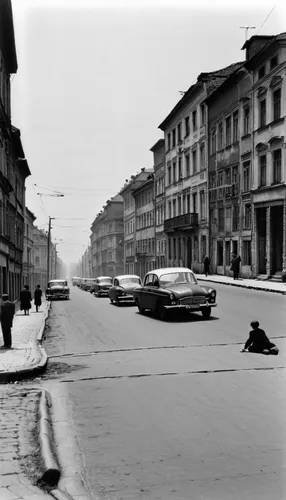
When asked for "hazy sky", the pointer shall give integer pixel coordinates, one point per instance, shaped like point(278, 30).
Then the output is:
point(96, 78)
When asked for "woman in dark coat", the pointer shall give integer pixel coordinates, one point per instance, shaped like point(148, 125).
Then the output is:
point(235, 265)
point(206, 265)
point(38, 297)
point(25, 299)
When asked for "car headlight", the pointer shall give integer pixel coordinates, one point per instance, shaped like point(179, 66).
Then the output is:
point(172, 296)
point(213, 293)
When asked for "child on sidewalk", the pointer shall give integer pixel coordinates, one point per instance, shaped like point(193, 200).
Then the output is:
point(258, 341)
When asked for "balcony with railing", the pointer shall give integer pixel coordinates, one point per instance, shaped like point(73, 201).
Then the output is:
point(183, 222)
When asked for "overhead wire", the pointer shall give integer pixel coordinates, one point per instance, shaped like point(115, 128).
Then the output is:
point(266, 19)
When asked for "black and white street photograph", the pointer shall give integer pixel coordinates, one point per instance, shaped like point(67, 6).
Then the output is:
point(142, 250)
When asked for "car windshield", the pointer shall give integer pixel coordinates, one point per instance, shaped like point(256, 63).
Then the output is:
point(105, 280)
point(177, 277)
point(129, 281)
point(57, 283)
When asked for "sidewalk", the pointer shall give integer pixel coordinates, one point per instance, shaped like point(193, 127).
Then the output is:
point(267, 286)
point(27, 357)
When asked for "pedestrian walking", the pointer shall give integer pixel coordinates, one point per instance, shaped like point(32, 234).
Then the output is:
point(38, 297)
point(7, 313)
point(258, 341)
point(206, 265)
point(25, 299)
point(235, 265)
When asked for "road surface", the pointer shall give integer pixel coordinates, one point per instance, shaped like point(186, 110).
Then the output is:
point(174, 410)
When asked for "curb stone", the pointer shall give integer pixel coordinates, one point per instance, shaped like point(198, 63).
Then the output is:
point(52, 471)
point(260, 289)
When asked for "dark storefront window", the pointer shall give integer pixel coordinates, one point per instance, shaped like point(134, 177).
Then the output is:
point(246, 253)
point(220, 253)
point(227, 253)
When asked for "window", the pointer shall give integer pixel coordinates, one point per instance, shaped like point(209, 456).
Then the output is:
point(169, 141)
point(213, 180)
point(277, 166)
point(235, 175)
point(228, 131)
point(188, 204)
point(262, 169)
point(173, 138)
point(277, 104)
point(213, 141)
point(246, 176)
point(262, 112)
point(202, 155)
point(228, 220)
point(195, 203)
point(187, 126)
point(174, 173)
point(261, 72)
point(273, 62)
point(174, 248)
point(174, 208)
point(37, 261)
point(220, 253)
point(180, 168)
point(194, 156)
point(169, 175)
point(203, 114)
point(170, 248)
point(246, 253)
point(246, 116)
point(235, 126)
point(179, 206)
point(247, 216)
point(227, 177)
point(235, 219)
point(179, 132)
point(221, 219)
point(202, 205)
point(194, 120)
point(187, 162)
point(220, 178)
point(220, 136)
point(170, 209)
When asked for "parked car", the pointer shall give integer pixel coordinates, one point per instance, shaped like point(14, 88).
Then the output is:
point(102, 285)
point(122, 288)
point(173, 288)
point(57, 289)
point(87, 284)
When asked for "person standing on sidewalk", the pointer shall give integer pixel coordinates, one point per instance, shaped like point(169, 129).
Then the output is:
point(206, 265)
point(38, 297)
point(235, 265)
point(7, 315)
point(25, 300)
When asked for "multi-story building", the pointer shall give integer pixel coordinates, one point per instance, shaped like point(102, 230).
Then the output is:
point(266, 60)
point(28, 259)
point(145, 229)
point(40, 253)
point(230, 165)
point(129, 240)
point(107, 240)
point(186, 177)
point(158, 151)
point(86, 264)
point(13, 167)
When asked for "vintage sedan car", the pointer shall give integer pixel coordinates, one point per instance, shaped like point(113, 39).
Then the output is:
point(122, 288)
point(57, 289)
point(173, 288)
point(102, 285)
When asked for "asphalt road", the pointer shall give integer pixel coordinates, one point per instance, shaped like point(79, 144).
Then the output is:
point(174, 410)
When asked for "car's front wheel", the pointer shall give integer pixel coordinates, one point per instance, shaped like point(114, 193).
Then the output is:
point(206, 312)
point(161, 311)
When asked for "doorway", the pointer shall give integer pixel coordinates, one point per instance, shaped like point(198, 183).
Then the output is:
point(276, 239)
point(261, 239)
point(189, 253)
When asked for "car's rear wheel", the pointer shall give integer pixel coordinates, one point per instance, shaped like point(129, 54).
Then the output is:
point(206, 312)
point(111, 301)
point(140, 308)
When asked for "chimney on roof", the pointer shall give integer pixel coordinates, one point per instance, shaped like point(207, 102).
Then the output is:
point(143, 169)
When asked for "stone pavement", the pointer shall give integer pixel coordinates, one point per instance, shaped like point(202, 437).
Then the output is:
point(27, 356)
point(264, 285)
point(17, 444)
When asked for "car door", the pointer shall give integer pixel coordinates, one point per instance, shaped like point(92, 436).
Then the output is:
point(152, 293)
point(149, 291)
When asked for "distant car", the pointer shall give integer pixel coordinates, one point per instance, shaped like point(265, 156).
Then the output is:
point(57, 289)
point(173, 288)
point(102, 286)
point(87, 284)
point(122, 289)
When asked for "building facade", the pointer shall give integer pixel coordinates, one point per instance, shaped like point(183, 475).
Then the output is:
point(186, 173)
point(129, 239)
point(266, 60)
point(40, 253)
point(28, 270)
point(107, 236)
point(144, 227)
point(158, 151)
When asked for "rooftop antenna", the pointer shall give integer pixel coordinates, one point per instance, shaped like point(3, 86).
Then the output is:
point(246, 28)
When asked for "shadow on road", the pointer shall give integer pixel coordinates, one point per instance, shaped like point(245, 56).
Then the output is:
point(180, 317)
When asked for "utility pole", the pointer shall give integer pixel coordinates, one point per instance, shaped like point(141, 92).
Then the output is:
point(48, 253)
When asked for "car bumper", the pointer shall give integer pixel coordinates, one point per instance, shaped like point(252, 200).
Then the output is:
point(102, 292)
point(190, 307)
point(122, 298)
point(60, 296)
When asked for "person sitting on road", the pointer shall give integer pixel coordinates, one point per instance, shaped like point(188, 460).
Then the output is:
point(258, 341)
